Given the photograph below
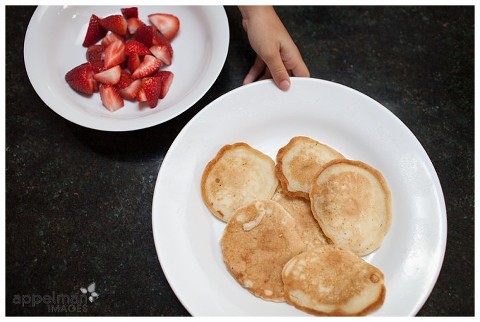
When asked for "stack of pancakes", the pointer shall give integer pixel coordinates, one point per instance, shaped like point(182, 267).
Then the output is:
point(296, 228)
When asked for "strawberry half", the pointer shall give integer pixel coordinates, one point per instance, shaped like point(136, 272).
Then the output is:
point(152, 86)
point(111, 38)
point(109, 76)
point(81, 79)
point(133, 61)
point(168, 24)
point(129, 12)
point(166, 78)
point(114, 54)
point(133, 24)
point(95, 55)
point(144, 34)
point(149, 65)
point(95, 31)
point(164, 53)
point(110, 97)
point(130, 92)
point(133, 46)
point(115, 23)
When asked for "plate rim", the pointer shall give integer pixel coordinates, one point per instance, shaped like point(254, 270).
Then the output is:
point(128, 124)
point(443, 224)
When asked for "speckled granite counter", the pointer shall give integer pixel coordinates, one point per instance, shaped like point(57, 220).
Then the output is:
point(78, 201)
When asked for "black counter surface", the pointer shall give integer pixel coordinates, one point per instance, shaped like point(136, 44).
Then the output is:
point(78, 201)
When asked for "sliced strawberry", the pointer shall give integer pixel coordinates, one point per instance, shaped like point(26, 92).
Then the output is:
point(144, 34)
point(95, 55)
point(164, 53)
point(152, 87)
point(133, 46)
point(133, 61)
point(141, 97)
point(115, 23)
point(81, 79)
point(129, 12)
point(149, 65)
point(110, 97)
point(109, 76)
point(166, 78)
point(111, 38)
point(168, 24)
point(130, 92)
point(114, 54)
point(125, 79)
point(133, 24)
point(95, 31)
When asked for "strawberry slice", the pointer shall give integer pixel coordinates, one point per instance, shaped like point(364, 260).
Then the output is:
point(111, 38)
point(129, 12)
point(152, 86)
point(109, 76)
point(133, 24)
point(130, 92)
point(95, 31)
point(110, 97)
point(114, 54)
point(166, 78)
point(149, 65)
point(164, 53)
point(144, 34)
point(95, 55)
point(125, 79)
point(133, 61)
point(133, 46)
point(115, 23)
point(168, 24)
point(141, 94)
point(80, 78)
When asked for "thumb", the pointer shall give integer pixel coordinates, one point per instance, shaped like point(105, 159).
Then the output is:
point(279, 72)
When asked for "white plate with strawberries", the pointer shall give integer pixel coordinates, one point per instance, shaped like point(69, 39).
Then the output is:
point(121, 68)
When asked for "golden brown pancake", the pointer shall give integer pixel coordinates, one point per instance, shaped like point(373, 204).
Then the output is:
point(330, 280)
point(236, 176)
point(299, 161)
point(352, 204)
point(257, 242)
point(307, 226)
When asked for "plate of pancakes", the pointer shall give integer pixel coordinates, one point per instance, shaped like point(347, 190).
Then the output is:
point(313, 201)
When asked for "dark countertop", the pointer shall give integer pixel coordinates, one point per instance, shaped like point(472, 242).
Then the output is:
point(78, 201)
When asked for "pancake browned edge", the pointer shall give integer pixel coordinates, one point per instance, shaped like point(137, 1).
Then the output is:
point(352, 204)
point(307, 226)
point(299, 161)
point(256, 243)
point(236, 176)
point(330, 280)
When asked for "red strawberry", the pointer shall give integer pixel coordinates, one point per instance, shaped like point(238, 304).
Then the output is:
point(164, 53)
point(130, 92)
point(114, 54)
point(109, 76)
point(148, 66)
point(141, 94)
point(125, 79)
point(111, 38)
point(81, 79)
point(152, 87)
point(115, 23)
point(95, 31)
point(168, 24)
point(129, 12)
point(144, 34)
point(95, 55)
point(133, 61)
point(133, 24)
point(110, 97)
point(133, 46)
point(166, 78)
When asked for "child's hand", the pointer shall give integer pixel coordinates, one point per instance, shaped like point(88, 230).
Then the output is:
point(277, 55)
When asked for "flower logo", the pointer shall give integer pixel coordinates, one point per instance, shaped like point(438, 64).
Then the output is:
point(90, 289)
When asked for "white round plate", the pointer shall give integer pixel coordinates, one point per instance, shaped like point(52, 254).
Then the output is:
point(53, 46)
point(187, 236)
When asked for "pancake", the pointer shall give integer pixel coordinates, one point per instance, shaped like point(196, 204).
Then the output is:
point(256, 243)
point(352, 204)
point(299, 161)
point(236, 176)
point(307, 225)
point(330, 280)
